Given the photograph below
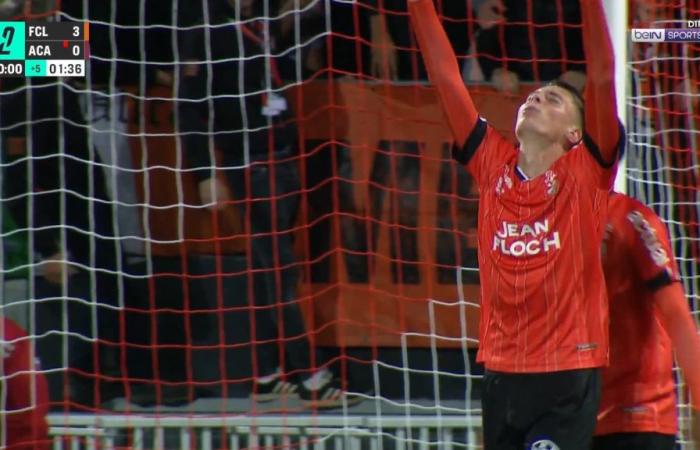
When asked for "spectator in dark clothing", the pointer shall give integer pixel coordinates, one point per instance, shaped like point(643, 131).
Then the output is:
point(231, 90)
point(124, 51)
point(393, 47)
point(538, 40)
point(132, 50)
point(127, 53)
point(507, 52)
point(56, 189)
point(303, 53)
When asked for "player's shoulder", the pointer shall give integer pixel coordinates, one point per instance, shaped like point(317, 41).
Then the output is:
point(621, 205)
point(634, 217)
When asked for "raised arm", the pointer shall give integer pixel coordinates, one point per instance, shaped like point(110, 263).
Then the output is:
point(601, 108)
point(441, 63)
point(652, 254)
point(671, 303)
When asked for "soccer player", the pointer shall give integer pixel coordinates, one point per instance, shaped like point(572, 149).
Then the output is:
point(23, 392)
point(542, 213)
point(649, 317)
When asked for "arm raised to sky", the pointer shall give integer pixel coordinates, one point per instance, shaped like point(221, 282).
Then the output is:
point(441, 62)
point(599, 94)
point(672, 306)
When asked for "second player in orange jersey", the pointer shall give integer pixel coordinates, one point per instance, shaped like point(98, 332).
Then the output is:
point(649, 318)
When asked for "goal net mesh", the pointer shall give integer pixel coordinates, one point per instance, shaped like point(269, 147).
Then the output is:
point(164, 249)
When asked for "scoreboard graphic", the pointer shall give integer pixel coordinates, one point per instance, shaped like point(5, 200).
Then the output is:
point(43, 49)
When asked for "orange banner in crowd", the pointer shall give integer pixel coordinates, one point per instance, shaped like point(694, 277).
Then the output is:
point(399, 214)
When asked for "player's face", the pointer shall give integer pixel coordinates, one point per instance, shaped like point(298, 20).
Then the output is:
point(549, 112)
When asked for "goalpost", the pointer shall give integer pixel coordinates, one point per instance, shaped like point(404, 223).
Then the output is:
point(149, 309)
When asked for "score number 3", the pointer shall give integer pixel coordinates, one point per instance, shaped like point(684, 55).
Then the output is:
point(8, 35)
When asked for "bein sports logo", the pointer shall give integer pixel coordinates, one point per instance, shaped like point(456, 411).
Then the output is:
point(665, 35)
point(530, 239)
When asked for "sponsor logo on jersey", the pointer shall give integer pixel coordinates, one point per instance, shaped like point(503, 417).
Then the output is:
point(521, 240)
point(504, 182)
point(544, 444)
point(649, 237)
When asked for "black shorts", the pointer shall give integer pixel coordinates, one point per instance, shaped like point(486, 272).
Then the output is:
point(540, 411)
point(634, 441)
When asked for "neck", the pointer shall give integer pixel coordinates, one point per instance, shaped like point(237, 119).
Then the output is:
point(536, 156)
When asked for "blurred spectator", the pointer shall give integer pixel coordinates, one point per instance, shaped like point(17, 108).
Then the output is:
point(56, 189)
point(393, 48)
point(23, 392)
point(538, 40)
point(370, 38)
point(122, 44)
point(131, 51)
point(347, 54)
point(305, 56)
point(125, 50)
point(18, 9)
point(238, 97)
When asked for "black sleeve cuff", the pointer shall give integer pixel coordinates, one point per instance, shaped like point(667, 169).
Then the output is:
point(465, 153)
point(595, 150)
point(663, 279)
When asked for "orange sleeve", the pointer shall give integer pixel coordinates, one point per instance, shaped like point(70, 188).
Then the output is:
point(670, 302)
point(27, 397)
point(600, 108)
point(441, 63)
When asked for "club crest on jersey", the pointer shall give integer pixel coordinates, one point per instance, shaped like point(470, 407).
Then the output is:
point(551, 182)
point(529, 239)
point(504, 182)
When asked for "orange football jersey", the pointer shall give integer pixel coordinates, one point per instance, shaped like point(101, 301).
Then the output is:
point(638, 387)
